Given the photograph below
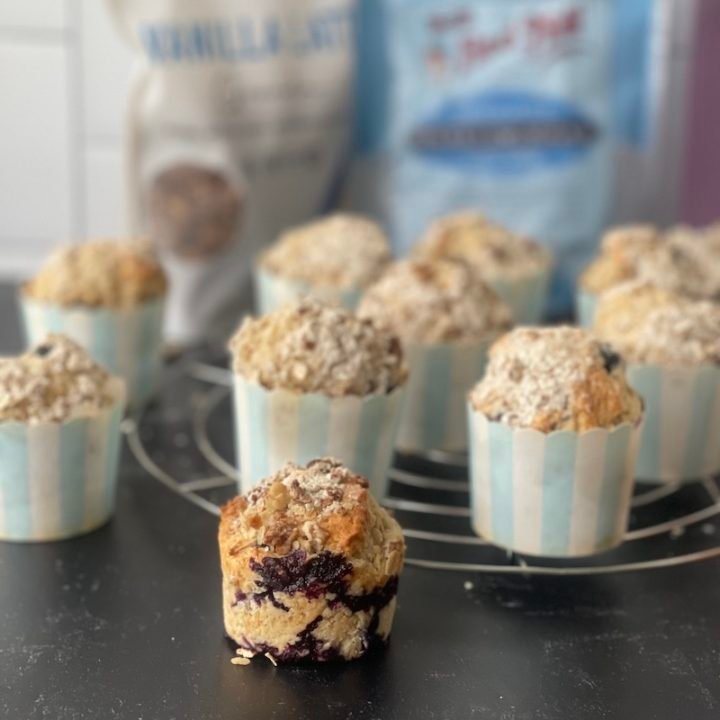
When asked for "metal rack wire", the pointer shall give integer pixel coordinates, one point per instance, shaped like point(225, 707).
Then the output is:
point(436, 527)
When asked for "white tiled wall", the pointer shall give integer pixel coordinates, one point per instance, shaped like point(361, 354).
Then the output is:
point(64, 74)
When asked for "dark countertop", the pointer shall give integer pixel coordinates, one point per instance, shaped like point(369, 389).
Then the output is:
point(126, 623)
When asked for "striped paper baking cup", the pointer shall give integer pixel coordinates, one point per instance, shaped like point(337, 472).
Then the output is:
point(434, 415)
point(526, 297)
point(57, 480)
point(273, 291)
point(276, 426)
point(127, 342)
point(585, 307)
point(562, 494)
point(681, 434)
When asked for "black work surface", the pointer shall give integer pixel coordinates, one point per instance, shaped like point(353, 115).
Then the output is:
point(126, 623)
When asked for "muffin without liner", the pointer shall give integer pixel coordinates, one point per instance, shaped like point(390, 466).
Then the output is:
point(310, 566)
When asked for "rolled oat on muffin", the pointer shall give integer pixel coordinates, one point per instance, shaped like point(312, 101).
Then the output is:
point(310, 566)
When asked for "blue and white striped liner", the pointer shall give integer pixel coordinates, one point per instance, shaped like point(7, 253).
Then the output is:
point(273, 291)
point(681, 436)
point(126, 342)
point(276, 426)
point(434, 416)
point(58, 480)
point(562, 494)
point(526, 297)
point(585, 308)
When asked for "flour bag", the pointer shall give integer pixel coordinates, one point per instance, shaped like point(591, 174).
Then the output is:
point(238, 126)
point(503, 106)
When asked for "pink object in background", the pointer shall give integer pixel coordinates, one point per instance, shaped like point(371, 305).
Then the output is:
point(700, 199)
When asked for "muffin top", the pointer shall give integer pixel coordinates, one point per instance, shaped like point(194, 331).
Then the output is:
point(490, 248)
point(559, 378)
point(620, 250)
point(100, 274)
point(322, 513)
point(54, 382)
point(338, 251)
point(687, 263)
point(311, 346)
point(650, 325)
point(426, 301)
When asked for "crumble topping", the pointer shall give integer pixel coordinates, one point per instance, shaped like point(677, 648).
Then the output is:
point(313, 347)
point(100, 273)
point(684, 260)
point(435, 301)
point(52, 383)
point(651, 325)
point(341, 250)
point(492, 249)
point(620, 250)
point(555, 378)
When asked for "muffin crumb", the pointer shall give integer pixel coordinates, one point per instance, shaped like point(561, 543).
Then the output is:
point(54, 382)
point(435, 301)
point(339, 251)
point(313, 347)
point(555, 379)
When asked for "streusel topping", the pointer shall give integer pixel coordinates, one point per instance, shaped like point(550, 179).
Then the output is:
point(650, 325)
point(558, 378)
point(435, 301)
point(687, 262)
point(340, 251)
point(313, 347)
point(322, 506)
point(100, 273)
point(621, 249)
point(54, 382)
point(492, 249)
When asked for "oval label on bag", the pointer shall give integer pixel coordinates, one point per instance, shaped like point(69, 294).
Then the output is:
point(505, 132)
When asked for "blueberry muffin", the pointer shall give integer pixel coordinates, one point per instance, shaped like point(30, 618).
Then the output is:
point(314, 380)
point(446, 317)
point(558, 378)
point(113, 274)
point(310, 566)
point(60, 418)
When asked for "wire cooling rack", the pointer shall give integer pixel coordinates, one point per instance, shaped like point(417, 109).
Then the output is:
point(185, 441)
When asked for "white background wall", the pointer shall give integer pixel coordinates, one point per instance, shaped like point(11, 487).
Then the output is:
point(64, 75)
